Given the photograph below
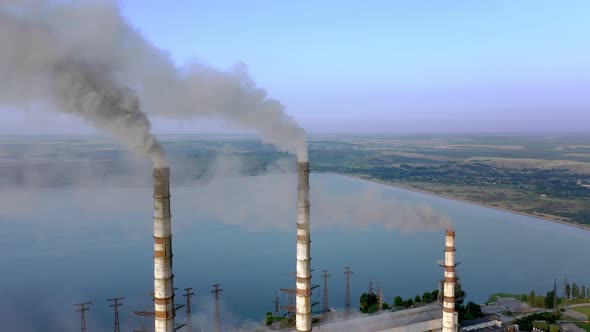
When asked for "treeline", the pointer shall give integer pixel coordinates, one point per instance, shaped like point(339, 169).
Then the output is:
point(369, 303)
point(528, 322)
point(573, 293)
point(548, 301)
point(427, 297)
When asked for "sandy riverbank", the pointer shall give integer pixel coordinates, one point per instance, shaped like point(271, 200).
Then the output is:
point(426, 192)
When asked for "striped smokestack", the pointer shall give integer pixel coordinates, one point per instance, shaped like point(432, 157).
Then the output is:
point(449, 321)
point(163, 277)
point(303, 304)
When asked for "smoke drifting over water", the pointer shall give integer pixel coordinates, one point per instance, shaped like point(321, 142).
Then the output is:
point(91, 41)
point(348, 210)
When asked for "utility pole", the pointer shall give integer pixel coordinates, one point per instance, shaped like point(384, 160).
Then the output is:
point(116, 305)
point(347, 272)
point(216, 290)
point(276, 303)
point(370, 285)
point(189, 318)
point(82, 309)
point(326, 305)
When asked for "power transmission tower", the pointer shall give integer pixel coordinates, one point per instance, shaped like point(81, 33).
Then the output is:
point(565, 288)
point(143, 315)
point(555, 294)
point(82, 309)
point(380, 291)
point(326, 305)
point(314, 304)
point(216, 290)
point(289, 307)
point(276, 303)
point(347, 272)
point(116, 305)
point(189, 318)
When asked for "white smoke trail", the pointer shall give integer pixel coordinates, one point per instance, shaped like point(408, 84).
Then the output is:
point(44, 33)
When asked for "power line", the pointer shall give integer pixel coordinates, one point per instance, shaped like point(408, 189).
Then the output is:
point(116, 305)
point(82, 309)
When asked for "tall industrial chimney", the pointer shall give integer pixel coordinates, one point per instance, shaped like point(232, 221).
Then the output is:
point(303, 304)
point(163, 277)
point(449, 320)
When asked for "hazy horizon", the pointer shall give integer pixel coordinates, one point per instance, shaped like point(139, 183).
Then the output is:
point(381, 67)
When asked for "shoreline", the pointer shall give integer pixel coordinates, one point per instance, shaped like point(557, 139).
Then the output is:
point(458, 199)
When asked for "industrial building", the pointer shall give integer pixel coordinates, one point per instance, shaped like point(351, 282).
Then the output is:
point(485, 324)
point(425, 318)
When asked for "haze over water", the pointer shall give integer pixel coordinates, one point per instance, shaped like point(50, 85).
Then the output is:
point(66, 250)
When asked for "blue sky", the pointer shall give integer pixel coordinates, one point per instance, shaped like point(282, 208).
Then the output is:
point(391, 66)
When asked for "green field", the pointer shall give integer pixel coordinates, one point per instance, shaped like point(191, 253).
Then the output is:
point(584, 326)
point(583, 310)
point(546, 177)
point(494, 297)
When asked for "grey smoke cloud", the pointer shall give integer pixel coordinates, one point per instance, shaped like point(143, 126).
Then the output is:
point(45, 64)
point(262, 201)
point(46, 37)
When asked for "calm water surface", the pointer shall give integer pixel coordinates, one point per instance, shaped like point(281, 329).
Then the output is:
point(65, 246)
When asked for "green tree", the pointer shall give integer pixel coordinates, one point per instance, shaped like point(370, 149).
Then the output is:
point(575, 290)
point(588, 292)
point(469, 311)
point(568, 290)
point(583, 293)
point(426, 297)
point(434, 295)
point(549, 299)
point(398, 302)
point(269, 318)
point(526, 323)
point(386, 306)
point(459, 294)
point(532, 298)
point(369, 303)
point(417, 298)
